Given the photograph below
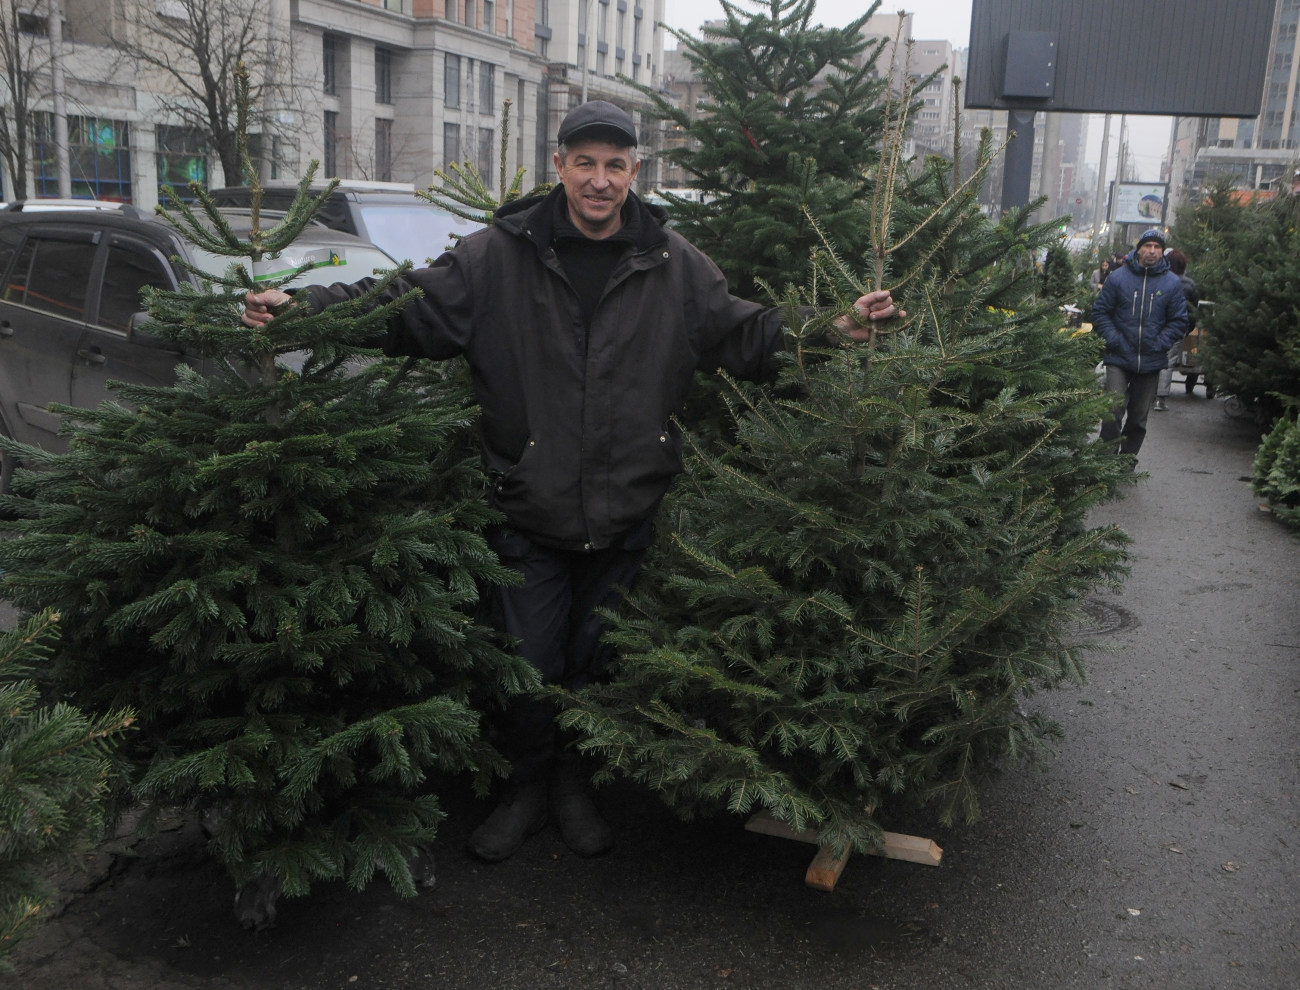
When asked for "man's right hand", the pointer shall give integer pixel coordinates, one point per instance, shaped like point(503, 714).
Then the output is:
point(258, 306)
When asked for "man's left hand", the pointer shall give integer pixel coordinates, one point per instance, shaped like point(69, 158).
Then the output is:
point(869, 309)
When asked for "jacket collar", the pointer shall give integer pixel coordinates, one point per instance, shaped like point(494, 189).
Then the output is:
point(1159, 268)
point(541, 219)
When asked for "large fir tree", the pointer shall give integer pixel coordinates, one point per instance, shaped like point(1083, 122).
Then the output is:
point(855, 598)
point(277, 568)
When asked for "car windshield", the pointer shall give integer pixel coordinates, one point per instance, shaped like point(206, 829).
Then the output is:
point(417, 231)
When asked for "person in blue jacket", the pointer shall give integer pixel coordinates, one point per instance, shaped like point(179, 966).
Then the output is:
point(1140, 313)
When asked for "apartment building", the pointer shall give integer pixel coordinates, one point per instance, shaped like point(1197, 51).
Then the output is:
point(384, 90)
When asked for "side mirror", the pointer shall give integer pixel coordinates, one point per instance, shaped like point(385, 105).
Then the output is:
point(140, 338)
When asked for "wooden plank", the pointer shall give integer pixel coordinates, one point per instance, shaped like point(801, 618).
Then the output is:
point(910, 848)
point(825, 869)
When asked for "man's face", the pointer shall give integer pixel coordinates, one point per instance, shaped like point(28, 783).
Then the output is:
point(596, 177)
point(1149, 253)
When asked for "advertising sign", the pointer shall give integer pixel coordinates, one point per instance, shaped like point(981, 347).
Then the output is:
point(1140, 202)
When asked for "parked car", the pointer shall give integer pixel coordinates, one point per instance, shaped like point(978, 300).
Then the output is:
point(70, 282)
point(387, 214)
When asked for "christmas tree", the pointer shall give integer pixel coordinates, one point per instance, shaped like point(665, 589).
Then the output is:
point(277, 567)
point(1277, 470)
point(859, 591)
point(54, 774)
point(793, 113)
point(1243, 257)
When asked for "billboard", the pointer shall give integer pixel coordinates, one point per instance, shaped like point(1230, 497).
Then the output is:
point(1193, 58)
point(1140, 202)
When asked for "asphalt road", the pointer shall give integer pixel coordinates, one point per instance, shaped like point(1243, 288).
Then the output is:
point(1157, 848)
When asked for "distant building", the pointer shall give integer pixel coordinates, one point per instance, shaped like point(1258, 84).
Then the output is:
point(386, 90)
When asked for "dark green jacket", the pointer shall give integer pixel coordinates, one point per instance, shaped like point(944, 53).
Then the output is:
point(576, 423)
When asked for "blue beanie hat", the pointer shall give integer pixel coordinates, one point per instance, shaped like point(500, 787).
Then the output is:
point(1153, 234)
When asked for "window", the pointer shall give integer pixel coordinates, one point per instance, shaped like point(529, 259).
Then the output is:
point(331, 140)
point(181, 157)
point(451, 11)
point(486, 88)
point(129, 269)
point(383, 150)
point(489, 16)
point(53, 276)
point(450, 143)
point(10, 237)
point(329, 65)
point(99, 157)
point(451, 81)
point(33, 24)
point(486, 151)
point(268, 161)
point(383, 75)
point(471, 13)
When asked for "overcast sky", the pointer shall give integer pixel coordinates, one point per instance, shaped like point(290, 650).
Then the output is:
point(950, 20)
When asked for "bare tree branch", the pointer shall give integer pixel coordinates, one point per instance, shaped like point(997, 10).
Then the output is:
point(24, 63)
point(193, 47)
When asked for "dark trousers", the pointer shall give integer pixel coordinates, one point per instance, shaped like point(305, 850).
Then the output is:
point(551, 616)
point(1133, 397)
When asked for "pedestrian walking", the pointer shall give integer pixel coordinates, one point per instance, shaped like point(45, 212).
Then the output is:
point(1140, 313)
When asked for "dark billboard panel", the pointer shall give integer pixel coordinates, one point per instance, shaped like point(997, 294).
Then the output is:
point(1194, 58)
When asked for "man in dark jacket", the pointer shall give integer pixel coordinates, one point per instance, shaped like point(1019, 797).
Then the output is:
point(1140, 313)
point(583, 319)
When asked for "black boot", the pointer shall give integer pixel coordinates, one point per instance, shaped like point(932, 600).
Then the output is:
point(521, 813)
point(580, 824)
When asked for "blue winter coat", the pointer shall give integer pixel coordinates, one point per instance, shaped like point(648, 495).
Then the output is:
point(1140, 314)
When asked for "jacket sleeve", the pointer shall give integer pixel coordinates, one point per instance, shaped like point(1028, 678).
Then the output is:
point(436, 324)
point(734, 334)
point(1103, 311)
point(1175, 324)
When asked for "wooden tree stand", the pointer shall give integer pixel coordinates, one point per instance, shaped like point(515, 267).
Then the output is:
point(825, 869)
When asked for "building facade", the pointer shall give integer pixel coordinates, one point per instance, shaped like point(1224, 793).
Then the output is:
point(378, 90)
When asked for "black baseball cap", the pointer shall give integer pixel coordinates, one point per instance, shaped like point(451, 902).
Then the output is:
point(597, 120)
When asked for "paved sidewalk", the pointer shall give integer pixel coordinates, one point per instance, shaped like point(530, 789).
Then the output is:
point(1158, 848)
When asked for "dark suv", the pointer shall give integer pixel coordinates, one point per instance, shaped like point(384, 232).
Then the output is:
point(70, 284)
